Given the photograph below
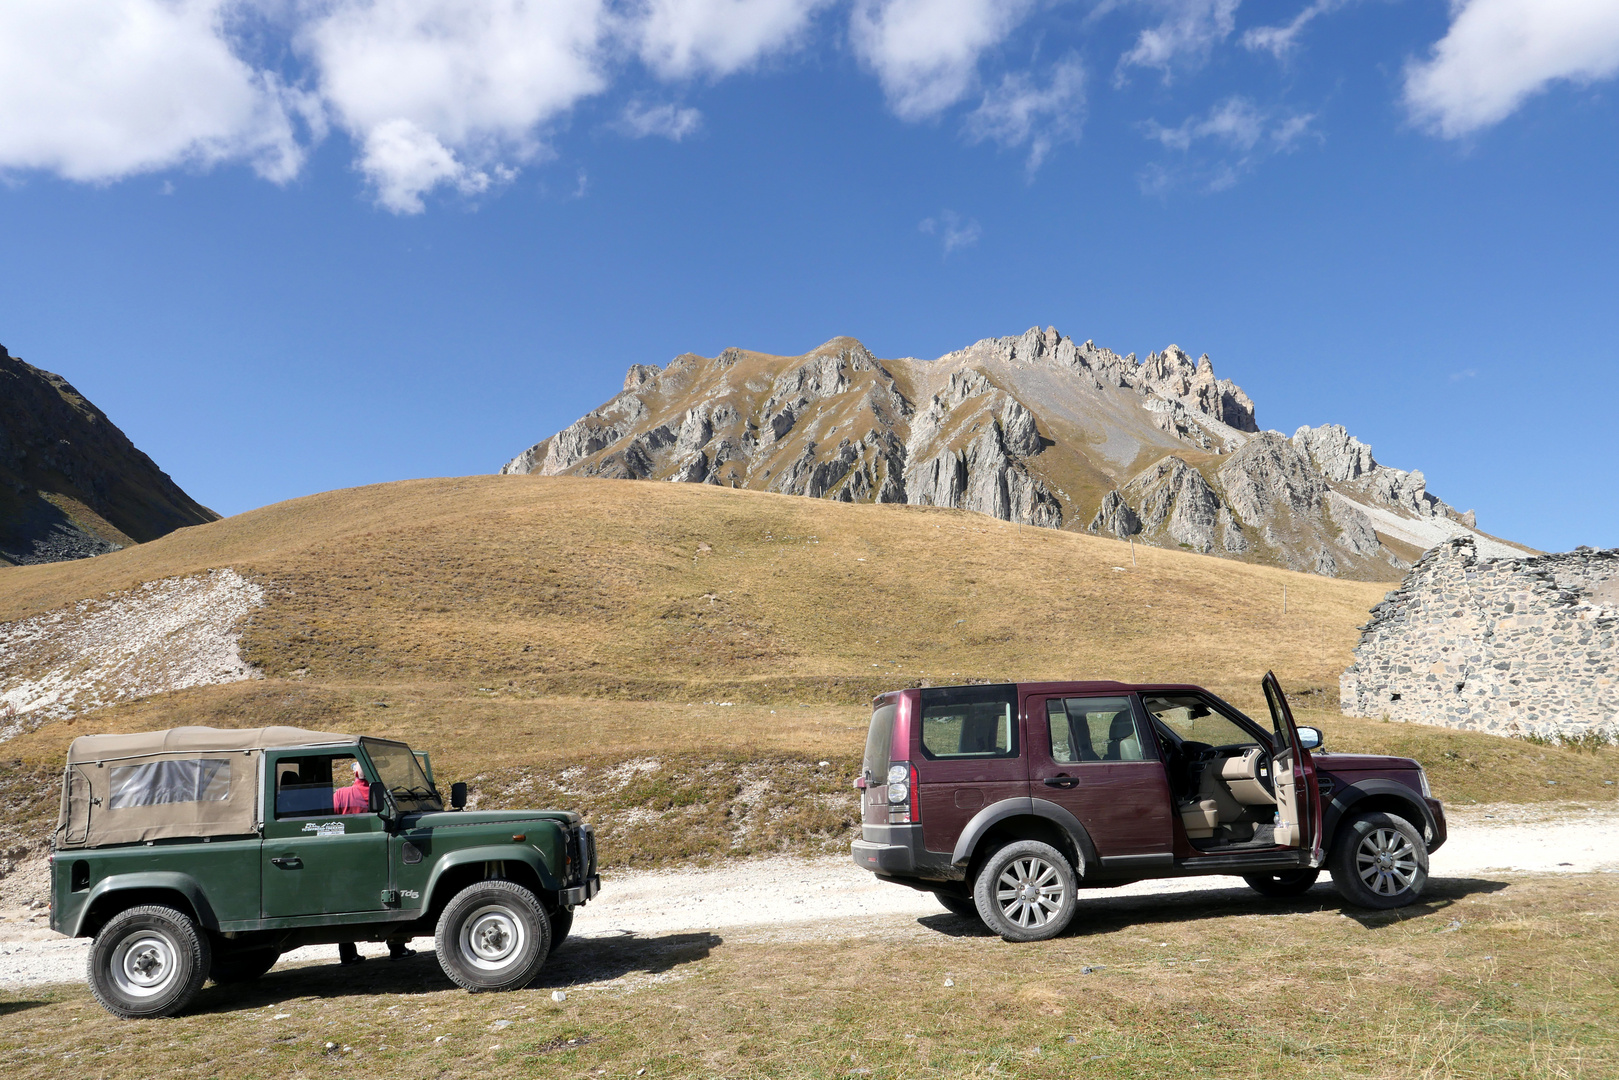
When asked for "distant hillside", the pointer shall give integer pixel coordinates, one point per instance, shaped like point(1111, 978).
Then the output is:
point(71, 484)
point(1034, 429)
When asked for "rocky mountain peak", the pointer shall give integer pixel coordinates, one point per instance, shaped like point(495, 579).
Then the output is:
point(1034, 428)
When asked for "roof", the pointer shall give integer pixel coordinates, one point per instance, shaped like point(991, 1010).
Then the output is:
point(195, 740)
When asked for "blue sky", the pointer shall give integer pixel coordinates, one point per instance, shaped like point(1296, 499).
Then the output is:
point(291, 246)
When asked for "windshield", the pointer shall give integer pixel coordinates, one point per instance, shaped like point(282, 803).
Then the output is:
point(400, 772)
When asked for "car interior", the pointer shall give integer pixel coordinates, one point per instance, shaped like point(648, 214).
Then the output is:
point(1232, 789)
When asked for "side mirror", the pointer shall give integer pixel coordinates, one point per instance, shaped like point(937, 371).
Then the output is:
point(1309, 737)
point(458, 796)
point(376, 799)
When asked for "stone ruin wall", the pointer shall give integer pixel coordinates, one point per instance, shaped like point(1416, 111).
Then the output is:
point(1508, 646)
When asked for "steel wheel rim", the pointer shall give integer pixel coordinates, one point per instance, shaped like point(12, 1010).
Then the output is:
point(145, 964)
point(1386, 861)
point(492, 937)
point(1029, 892)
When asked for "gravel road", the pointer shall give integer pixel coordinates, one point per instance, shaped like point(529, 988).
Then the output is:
point(827, 899)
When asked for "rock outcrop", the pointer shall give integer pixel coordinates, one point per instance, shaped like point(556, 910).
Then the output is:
point(1524, 646)
point(71, 484)
point(1036, 429)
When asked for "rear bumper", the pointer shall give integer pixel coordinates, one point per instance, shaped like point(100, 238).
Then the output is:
point(897, 851)
point(1439, 833)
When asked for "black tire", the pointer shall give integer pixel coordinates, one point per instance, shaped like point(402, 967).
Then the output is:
point(1282, 884)
point(957, 904)
point(1026, 891)
point(1379, 861)
point(240, 966)
point(561, 924)
point(148, 961)
point(494, 935)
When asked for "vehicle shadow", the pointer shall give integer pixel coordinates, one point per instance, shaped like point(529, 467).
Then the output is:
point(579, 962)
point(9, 1007)
point(1100, 913)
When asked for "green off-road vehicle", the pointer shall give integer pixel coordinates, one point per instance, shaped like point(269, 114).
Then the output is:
point(201, 853)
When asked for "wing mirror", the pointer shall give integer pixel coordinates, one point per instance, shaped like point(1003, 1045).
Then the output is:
point(377, 802)
point(1310, 738)
point(458, 796)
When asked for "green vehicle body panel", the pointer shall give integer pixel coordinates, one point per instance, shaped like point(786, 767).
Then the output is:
point(338, 870)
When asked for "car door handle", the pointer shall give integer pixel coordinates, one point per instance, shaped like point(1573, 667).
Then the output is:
point(1063, 781)
point(288, 862)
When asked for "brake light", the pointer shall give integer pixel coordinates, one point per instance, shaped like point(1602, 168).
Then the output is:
point(904, 807)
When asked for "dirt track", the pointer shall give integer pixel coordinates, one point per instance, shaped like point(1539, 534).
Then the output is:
point(828, 899)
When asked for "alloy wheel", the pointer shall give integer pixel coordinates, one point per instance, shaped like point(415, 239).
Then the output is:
point(1386, 861)
point(1029, 891)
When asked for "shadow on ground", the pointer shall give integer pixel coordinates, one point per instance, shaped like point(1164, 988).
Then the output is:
point(1099, 913)
point(581, 962)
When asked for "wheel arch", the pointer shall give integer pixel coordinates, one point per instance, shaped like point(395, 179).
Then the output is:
point(1024, 819)
point(121, 892)
point(1376, 796)
point(459, 869)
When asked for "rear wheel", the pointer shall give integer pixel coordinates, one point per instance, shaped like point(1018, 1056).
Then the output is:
point(148, 961)
point(493, 936)
point(957, 904)
point(242, 966)
point(1379, 861)
point(1282, 884)
point(1026, 891)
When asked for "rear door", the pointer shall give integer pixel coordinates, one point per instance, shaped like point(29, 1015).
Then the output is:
point(1093, 756)
point(968, 751)
point(1294, 768)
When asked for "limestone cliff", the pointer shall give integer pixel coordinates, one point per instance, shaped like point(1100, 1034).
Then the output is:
point(1036, 429)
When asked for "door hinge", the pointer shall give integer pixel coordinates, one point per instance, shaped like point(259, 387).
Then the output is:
point(390, 897)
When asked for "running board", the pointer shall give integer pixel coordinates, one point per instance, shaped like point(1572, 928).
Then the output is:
point(1243, 862)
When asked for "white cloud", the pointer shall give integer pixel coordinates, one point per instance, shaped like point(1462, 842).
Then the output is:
point(1499, 52)
point(681, 38)
point(1020, 111)
point(668, 120)
point(1189, 31)
point(102, 89)
point(925, 52)
point(952, 231)
point(1239, 133)
point(453, 92)
point(1282, 41)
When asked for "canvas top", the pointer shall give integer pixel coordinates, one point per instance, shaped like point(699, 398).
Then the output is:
point(181, 740)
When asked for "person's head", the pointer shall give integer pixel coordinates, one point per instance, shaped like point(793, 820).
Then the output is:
point(359, 776)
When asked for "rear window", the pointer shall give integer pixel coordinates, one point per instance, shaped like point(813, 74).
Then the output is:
point(878, 741)
point(969, 722)
point(158, 782)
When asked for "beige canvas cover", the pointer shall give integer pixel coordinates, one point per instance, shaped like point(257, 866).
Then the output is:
point(187, 781)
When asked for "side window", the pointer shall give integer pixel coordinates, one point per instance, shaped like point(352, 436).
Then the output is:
point(1191, 719)
point(985, 729)
point(319, 786)
point(1093, 729)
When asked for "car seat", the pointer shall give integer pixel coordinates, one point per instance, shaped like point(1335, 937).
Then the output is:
point(1122, 743)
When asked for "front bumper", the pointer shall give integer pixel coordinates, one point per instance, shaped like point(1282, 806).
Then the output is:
point(580, 894)
point(1439, 832)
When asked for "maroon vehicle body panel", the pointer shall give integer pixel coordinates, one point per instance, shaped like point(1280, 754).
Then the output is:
point(952, 792)
point(1125, 806)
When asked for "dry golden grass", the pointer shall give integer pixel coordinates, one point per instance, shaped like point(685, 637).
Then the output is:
point(512, 625)
point(1485, 979)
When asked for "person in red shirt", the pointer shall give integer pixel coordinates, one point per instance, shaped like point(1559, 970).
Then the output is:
point(354, 799)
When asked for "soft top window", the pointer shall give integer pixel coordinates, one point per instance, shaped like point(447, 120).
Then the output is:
point(182, 781)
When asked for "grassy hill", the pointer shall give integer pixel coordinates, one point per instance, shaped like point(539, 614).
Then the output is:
point(692, 654)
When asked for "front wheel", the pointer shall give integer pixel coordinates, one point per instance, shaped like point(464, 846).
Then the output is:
point(1026, 891)
point(1282, 884)
point(493, 936)
point(148, 961)
point(1379, 861)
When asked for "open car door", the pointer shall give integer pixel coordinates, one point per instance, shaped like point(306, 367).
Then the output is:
point(1298, 798)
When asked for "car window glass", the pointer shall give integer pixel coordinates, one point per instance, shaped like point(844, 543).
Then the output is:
point(401, 773)
point(175, 781)
point(982, 729)
point(318, 786)
point(1093, 729)
point(1192, 719)
point(1277, 722)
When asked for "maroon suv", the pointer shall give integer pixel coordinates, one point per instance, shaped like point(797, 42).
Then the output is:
point(1004, 800)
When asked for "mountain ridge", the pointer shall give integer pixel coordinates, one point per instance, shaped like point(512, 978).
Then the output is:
point(1034, 428)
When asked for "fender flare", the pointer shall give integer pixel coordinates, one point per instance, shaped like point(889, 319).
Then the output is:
point(524, 854)
point(164, 880)
point(997, 812)
point(1346, 798)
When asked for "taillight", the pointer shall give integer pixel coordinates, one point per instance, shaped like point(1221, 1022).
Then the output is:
point(903, 805)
